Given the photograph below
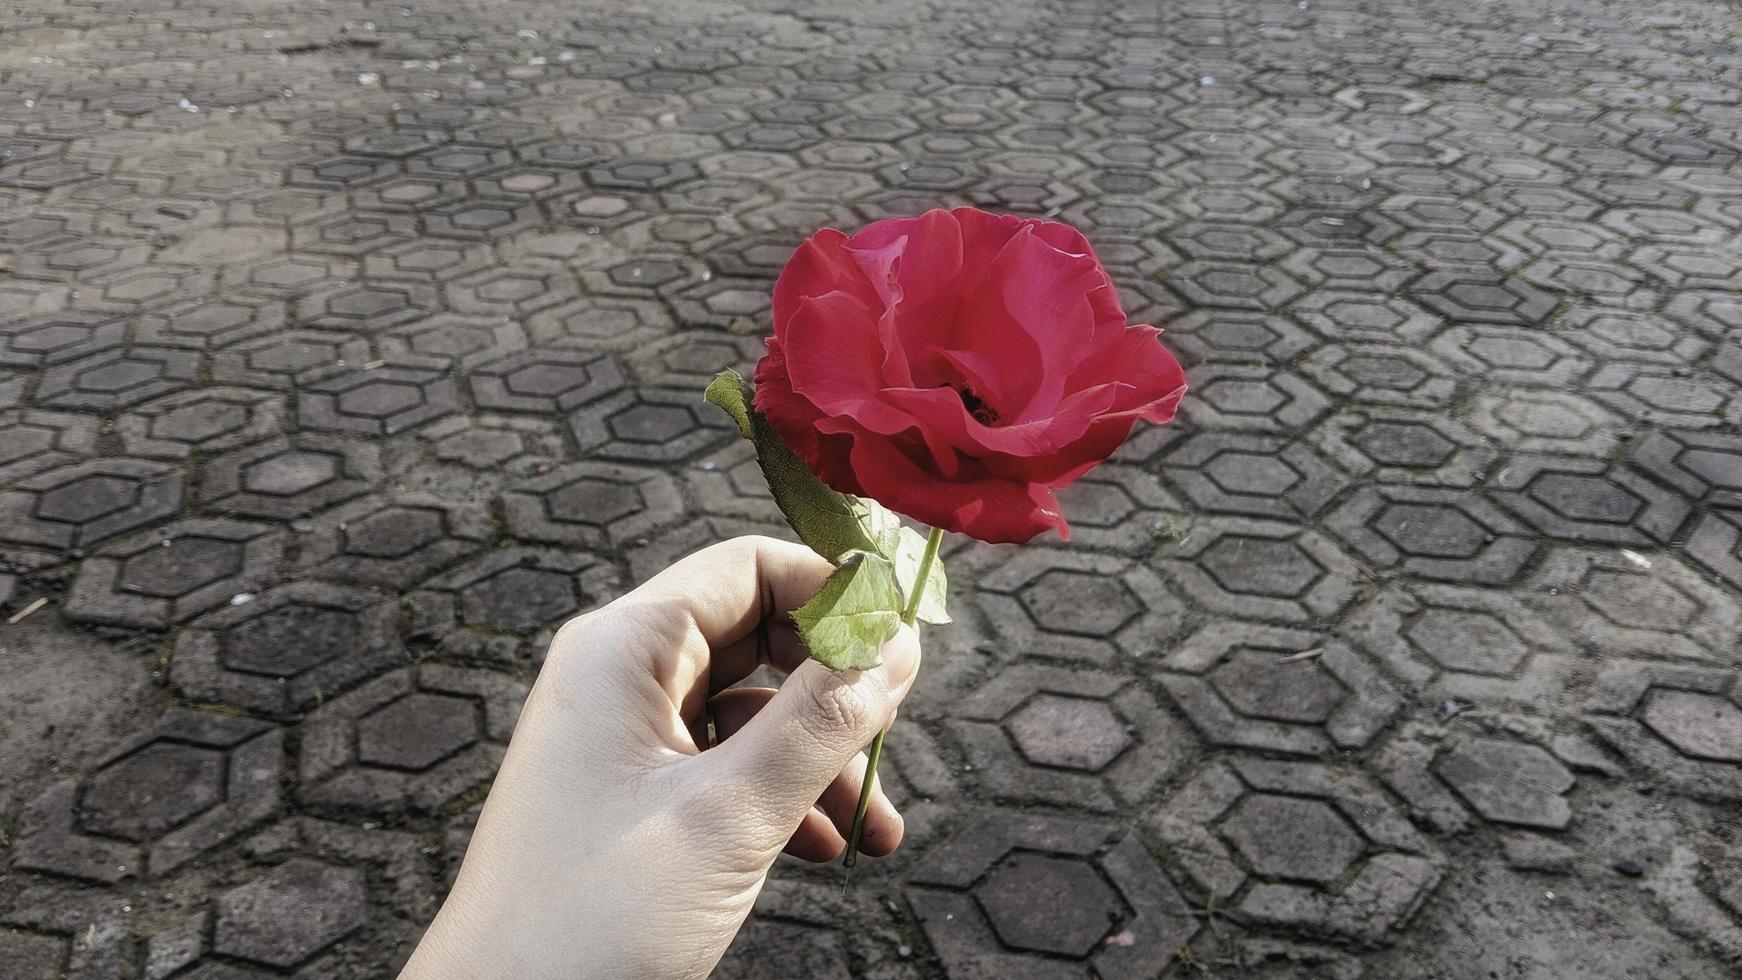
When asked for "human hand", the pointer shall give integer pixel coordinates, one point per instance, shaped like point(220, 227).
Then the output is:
point(614, 843)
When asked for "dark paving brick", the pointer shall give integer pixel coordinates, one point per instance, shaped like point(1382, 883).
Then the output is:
point(413, 739)
point(1510, 783)
point(157, 801)
point(170, 574)
point(287, 648)
point(289, 915)
point(84, 504)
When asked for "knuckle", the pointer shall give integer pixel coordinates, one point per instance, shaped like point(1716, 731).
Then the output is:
point(740, 549)
point(837, 709)
point(570, 639)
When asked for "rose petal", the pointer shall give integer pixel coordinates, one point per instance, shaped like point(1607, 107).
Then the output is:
point(834, 355)
point(984, 235)
point(991, 509)
point(820, 265)
point(1064, 467)
point(941, 410)
point(921, 257)
point(1157, 382)
point(1032, 317)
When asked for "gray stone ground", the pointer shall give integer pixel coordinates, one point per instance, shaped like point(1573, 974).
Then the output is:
point(395, 317)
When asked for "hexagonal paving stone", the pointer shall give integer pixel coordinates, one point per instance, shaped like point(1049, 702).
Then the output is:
point(1033, 601)
point(33, 441)
point(1472, 645)
point(1252, 397)
point(1701, 725)
point(156, 801)
point(649, 425)
point(519, 598)
point(415, 739)
point(1072, 602)
point(1673, 722)
point(380, 401)
point(1068, 737)
point(544, 381)
point(1483, 297)
point(591, 504)
point(480, 219)
point(64, 335)
point(1706, 466)
point(211, 325)
point(1583, 501)
point(205, 420)
point(165, 576)
point(151, 791)
point(289, 476)
point(463, 341)
point(514, 291)
point(1441, 534)
point(1073, 733)
point(1258, 686)
point(289, 359)
point(1353, 866)
point(519, 592)
point(1716, 544)
point(1667, 396)
point(693, 358)
point(592, 325)
point(1510, 783)
point(1240, 566)
point(1230, 335)
point(117, 378)
point(1245, 473)
point(415, 732)
point(1249, 685)
point(1084, 911)
point(1612, 603)
point(1381, 374)
point(286, 648)
point(1285, 837)
point(392, 541)
point(974, 896)
point(1404, 445)
point(291, 914)
point(494, 442)
point(82, 505)
point(366, 306)
point(149, 287)
point(1269, 568)
point(1546, 422)
point(1467, 641)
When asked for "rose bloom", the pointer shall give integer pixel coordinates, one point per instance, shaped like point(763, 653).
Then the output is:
point(958, 367)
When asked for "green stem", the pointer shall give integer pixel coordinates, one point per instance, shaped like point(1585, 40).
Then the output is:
point(932, 542)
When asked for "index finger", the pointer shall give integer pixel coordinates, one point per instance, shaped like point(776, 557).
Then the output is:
point(713, 598)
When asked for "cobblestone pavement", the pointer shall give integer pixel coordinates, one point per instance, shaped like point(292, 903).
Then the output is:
point(1411, 650)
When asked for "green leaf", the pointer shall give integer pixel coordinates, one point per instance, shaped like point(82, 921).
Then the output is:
point(831, 523)
point(727, 392)
point(858, 609)
point(935, 594)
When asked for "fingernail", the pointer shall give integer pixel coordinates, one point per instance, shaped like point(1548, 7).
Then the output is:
point(901, 656)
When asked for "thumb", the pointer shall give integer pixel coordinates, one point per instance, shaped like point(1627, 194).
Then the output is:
point(819, 721)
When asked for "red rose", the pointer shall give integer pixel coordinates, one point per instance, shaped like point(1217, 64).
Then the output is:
point(958, 367)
